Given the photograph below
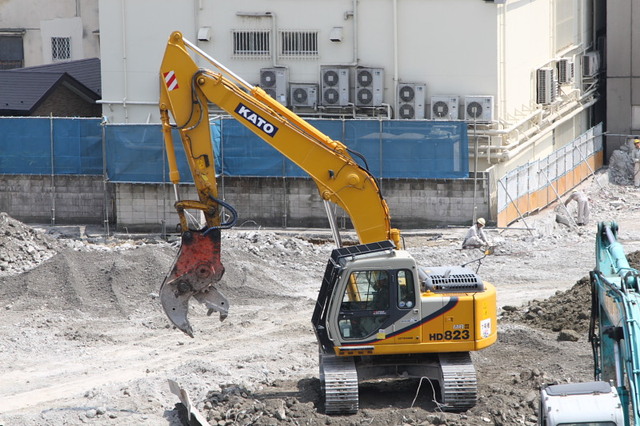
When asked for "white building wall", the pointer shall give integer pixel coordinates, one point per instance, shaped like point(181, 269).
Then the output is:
point(132, 41)
point(527, 45)
point(452, 50)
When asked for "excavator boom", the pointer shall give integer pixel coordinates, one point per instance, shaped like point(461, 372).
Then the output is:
point(185, 91)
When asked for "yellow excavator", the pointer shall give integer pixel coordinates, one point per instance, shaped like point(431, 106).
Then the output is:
point(378, 314)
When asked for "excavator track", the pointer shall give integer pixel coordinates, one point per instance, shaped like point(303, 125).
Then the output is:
point(458, 384)
point(339, 381)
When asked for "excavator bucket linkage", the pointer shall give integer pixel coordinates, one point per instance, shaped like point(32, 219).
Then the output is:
point(195, 271)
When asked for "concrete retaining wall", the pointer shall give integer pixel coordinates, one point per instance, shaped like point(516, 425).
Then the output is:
point(260, 202)
point(62, 199)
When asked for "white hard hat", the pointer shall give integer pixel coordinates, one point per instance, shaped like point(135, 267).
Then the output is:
point(481, 221)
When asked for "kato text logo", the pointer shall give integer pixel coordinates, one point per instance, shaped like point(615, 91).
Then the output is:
point(256, 120)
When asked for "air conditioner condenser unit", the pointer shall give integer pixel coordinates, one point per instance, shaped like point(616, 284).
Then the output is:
point(368, 87)
point(275, 82)
point(478, 108)
point(444, 107)
point(334, 86)
point(590, 64)
point(411, 98)
point(565, 71)
point(303, 95)
point(546, 85)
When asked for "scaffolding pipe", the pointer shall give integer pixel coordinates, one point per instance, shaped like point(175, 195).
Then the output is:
point(592, 172)
point(516, 206)
point(105, 177)
point(514, 127)
point(53, 172)
point(475, 175)
point(557, 118)
point(535, 129)
point(558, 197)
point(510, 154)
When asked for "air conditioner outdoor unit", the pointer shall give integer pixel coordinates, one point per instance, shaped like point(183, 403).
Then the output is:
point(303, 94)
point(411, 100)
point(444, 107)
point(590, 64)
point(274, 81)
point(478, 108)
point(565, 71)
point(334, 86)
point(368, 87)
point(546, 85)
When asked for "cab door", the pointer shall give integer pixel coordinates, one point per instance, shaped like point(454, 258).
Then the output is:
point(406, 327)
point(365, 307)
point(379, 306)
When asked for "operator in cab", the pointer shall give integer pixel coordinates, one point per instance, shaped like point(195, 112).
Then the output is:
point(476, 237)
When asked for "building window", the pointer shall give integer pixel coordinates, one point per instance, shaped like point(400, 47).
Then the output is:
point(299, 43)
point(251, 43)
point(11, 52)
point(60, 48)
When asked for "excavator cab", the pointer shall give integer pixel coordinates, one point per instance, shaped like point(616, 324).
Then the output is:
point(380, 316)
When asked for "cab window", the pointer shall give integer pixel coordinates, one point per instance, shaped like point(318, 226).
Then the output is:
point(365, 304)
point(406, 290)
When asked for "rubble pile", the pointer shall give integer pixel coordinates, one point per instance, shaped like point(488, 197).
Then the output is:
point(22, 248)
point(566, 310)
point(621, 166)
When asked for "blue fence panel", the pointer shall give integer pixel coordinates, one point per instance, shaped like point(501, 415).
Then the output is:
point(77, 146)
point(245, 154)
point(428, 150)
point(363, 137)
point(135, 153)
point(26, 146)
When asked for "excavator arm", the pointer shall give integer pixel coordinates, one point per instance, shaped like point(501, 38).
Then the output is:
point(185, 91)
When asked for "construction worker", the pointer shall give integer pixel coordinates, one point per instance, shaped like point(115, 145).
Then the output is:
point(635, 156)
point(381, 295)
point(583, 206)
point(475, 237)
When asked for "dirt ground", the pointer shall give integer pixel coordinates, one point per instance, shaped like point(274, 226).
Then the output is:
point(83, 339)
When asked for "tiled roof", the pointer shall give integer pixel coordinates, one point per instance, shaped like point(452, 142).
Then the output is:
point(22, 89)
point(86, 71)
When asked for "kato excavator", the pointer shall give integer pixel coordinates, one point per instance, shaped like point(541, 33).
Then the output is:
point(613, 399)
point(378, 314)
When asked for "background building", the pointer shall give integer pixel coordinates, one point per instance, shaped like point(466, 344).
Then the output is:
point(513, 70)
point(38, 32)
point(622, 73)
